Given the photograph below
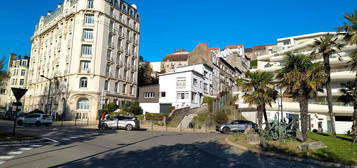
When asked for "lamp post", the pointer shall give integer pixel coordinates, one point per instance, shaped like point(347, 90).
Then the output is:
point(48, 106)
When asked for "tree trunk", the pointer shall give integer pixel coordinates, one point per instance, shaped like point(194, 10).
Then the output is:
point(266, 118)
point(303, 102)
point(354, 123)
point(329, 94)
point(260, 117)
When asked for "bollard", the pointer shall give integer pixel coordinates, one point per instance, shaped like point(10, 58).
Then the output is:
point(206, 126)
point(152, 125)
point(75, 121)
point(181, 127)
point(87, 121)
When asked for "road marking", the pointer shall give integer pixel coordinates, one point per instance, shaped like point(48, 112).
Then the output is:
point(36, 146)
point(15, 153)
point(50, 133)
point(72, 137)
point(6, 157)
point(65, 139)
point(25, 149)
point(51, 140)
point(2, 162)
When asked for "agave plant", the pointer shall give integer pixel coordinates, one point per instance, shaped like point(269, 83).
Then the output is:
point(279, 130)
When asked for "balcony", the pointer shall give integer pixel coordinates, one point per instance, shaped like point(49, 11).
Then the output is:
point(85, 71)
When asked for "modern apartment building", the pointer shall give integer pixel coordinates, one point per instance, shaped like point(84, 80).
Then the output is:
point(84, 54)
point(340, 74)
point(186, 87)
point(18, 67)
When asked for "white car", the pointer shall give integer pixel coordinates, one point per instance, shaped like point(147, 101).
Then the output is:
point(37, 119)
point(127, 123)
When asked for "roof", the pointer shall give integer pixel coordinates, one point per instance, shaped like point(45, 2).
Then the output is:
point(214, 48)
point(234, 46)
point(176, 57)
point(260, 47)
point(306, 36)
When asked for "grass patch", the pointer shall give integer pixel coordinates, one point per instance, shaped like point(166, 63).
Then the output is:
point(339, 149)
point(5, 136)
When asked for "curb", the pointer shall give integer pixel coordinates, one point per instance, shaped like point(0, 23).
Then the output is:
point(289, 158)
point(25, 141)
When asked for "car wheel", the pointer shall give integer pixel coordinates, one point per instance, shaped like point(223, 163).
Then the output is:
point(226, 130)
point(38, 123)
point(129, 127)
point(20, 122)
point(105, 126)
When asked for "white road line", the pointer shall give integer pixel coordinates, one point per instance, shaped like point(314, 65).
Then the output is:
point(65, 139)
point(15, 153)
point(6, 157)
point(35, 146)
point(25, 149)
point(51, 140)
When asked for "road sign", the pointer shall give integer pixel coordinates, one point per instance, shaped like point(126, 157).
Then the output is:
point(18, 93)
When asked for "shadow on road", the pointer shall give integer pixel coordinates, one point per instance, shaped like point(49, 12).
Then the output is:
point(197, 155)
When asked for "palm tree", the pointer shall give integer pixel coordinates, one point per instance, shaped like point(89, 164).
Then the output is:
point(350, 29)
point(3, 73)
point(326, 46)
point(350, 35)
point(259, 91)
point(301, 80)
point(350, 95)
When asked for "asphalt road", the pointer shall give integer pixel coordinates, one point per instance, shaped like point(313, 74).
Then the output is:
point(136, 149)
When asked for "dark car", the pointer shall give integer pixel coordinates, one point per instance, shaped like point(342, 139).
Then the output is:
point(236, 125)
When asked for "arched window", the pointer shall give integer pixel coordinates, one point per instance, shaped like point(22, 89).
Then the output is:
point(83, 104)
point(83, 82)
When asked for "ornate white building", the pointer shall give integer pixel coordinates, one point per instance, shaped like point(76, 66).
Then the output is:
point(88, 49)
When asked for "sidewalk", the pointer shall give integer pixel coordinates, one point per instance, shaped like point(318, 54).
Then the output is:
point(144, 125)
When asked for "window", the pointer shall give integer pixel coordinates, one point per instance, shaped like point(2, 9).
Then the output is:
point(287, 42)
point(24, 63)
point(14, 82)
point(181, 83)
point(182, 95)
point(23, 72)
point(116, 87)
point(194, 82)
point(163, 94)
point(106, 85)
point(89, 19)
point(22, 82)
point(124, 89)
point(83, 82)
point(87, 50)
point(85, 66)
point(107, 70)
point(90, 4)
point(83, 104)
point(149, 95)
point(87, 34)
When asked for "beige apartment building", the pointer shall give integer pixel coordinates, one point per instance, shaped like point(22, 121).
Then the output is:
point(86, 52)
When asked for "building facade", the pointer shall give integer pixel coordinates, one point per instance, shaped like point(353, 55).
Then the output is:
point(177, 59)
point(18, 67)
point(340, 74)
point(84, 54)
point(186, 87)
point(149, 98)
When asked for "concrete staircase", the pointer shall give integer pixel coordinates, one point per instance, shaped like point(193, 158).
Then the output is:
point(186, 121)
point(191, 113)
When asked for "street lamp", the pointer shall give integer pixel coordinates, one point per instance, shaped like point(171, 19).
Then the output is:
point(48, 106)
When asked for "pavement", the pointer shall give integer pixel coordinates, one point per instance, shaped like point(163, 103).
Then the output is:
point(83, 147)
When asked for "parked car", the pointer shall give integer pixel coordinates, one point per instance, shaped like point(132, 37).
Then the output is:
point(236, 125)
point(2, 115)
point(37, 119)
point(121, 122)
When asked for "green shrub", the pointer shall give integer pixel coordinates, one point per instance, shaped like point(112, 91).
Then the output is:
point(140, 117)
point(155, 116)
point(209, 101)
point(253, 63)
point(220, 117)
point(132, 107)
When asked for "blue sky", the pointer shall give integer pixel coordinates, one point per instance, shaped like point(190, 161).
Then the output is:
point(172, 24)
